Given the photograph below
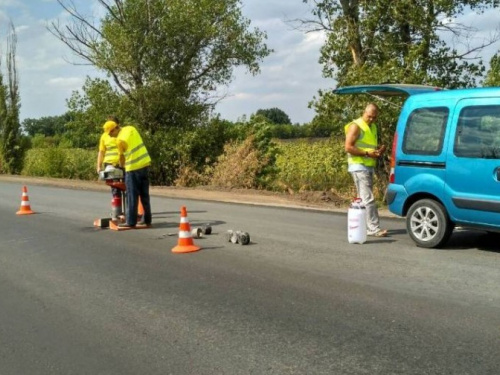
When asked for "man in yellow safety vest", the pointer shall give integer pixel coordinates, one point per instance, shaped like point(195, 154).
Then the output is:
point(134, 157)
point(361, 145)
point(108, 154)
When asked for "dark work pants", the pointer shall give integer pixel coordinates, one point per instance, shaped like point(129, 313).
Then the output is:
point(137, 183)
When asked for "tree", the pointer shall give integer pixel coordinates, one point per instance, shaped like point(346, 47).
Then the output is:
point(88, 110)
point(167, 57)
point(380, 41)
point(47, 126)
point(493, 75)
point(398, 41)
point(274, 115)
point(12, 150)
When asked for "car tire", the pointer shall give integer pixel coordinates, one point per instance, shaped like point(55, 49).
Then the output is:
point(428, 223)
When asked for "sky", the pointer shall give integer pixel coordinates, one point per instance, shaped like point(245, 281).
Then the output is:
point(290, 77)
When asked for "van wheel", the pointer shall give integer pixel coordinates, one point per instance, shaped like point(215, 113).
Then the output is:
point(428, 223)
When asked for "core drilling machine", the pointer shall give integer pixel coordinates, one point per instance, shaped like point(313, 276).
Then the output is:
point(114, 178)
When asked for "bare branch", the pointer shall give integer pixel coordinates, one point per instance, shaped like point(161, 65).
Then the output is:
point(83, 37)
point(81, 19)
point(118, 16)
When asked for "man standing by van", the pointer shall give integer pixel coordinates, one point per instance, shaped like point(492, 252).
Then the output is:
point(362, 154)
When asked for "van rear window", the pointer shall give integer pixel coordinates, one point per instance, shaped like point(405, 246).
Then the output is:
point(478, 132)
point(424, 131)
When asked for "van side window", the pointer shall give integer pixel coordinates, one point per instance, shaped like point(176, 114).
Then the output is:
point(478, 132)
point(425, 130)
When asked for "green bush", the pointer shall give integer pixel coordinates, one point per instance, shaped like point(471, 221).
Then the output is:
point(57, 162)
point(319, 165)
point(80, 164)
point(178, 154)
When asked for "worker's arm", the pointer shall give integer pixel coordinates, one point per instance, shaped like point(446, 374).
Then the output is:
point(122, 160)
point(122, 147)
point(100, 158)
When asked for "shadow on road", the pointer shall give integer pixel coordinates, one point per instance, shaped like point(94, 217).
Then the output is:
point(464, 239)
point(461, 239)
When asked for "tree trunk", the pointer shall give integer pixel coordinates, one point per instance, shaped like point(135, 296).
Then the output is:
point(351, 14)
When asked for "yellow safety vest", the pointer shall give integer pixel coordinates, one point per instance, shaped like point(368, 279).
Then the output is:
point(136, 154)
point(367, 141)
point(108, 145)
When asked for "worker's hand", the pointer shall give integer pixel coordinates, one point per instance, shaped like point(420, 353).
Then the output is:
point(99, 169)
point(375, 154)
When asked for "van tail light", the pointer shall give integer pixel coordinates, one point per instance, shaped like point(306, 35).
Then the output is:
point(392, 178)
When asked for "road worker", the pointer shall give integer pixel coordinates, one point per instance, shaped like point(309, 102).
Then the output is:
point(134, 157)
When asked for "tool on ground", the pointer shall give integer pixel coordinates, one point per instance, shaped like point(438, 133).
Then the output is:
point(185, 242)
point(25, 208)
point(243, 238)
point(197, 232)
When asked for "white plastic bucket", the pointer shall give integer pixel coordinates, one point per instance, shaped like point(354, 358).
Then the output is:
point(356, 222)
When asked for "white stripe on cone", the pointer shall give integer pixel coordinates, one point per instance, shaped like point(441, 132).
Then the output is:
point(184, 234)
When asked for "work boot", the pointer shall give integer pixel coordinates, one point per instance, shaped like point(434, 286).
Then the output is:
point(142, 223)
point(125, 225)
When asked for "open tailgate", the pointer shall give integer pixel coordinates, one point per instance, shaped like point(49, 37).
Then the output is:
point(386, 90)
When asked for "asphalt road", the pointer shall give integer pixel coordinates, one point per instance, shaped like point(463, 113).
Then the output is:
point(299, 299)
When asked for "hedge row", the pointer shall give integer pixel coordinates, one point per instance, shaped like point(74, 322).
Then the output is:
point(74, 163)
point(318, 165)
point(313, 165)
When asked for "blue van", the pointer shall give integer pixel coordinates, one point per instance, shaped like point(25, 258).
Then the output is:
point(445, 162)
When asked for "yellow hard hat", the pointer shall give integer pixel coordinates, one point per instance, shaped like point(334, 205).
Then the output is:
point(108, 126)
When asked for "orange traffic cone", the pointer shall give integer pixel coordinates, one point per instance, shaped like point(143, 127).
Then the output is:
point(25, 204)
point(185, 243)
point(140, 210)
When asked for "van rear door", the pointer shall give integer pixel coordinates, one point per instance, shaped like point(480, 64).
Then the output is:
point(386, 90)
point(473, 163)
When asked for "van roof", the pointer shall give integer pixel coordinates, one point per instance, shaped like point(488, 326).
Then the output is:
point(466, 93)
point(387, 89)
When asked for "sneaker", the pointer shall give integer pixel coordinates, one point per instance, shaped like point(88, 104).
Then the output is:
point(125, 225)
point(142, 223)
point(378, 233)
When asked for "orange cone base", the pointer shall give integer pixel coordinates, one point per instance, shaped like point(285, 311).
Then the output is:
point(185, 249)
point(25, 212)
